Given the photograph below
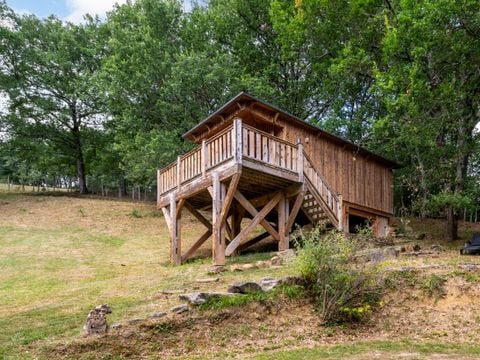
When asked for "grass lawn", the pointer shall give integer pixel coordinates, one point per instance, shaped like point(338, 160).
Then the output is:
point(60, 256)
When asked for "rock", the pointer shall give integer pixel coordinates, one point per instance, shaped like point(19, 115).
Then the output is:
point(207, 280)
point(276, 261)
point(437, 247)
point(157, 315)
point(172, 292)
point(116, 326)
point(287, 256)
point(391, 251)
point(247, 266)
point(199, 298)
point(135, 321)
point(236, 267)
point(293, 280)
point(216, 270)
point(269, 283)
point(179, 309)
point(420, 236)
point(244, 288)
point(97, 320)
point(263, 264)
point(416, 247)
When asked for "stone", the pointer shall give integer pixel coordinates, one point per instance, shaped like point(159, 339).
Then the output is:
point(276, 260)
point(96, 323)
point(179, 309)
point(416, 247)
point(269, 283)
point(116, 326)
point(135, 321)
point(247, 266)
point(420, 236)
point(287, 256)
point(216, 269)
point(437, 247)
point(263, 264)
point(199, 298)
point(207, 280)
point(157, 315)
point(248, 287)
point(293, 280)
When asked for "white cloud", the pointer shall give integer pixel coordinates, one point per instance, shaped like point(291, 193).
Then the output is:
point(78, 8)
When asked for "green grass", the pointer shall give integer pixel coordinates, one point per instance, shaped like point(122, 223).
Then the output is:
point(390, 350)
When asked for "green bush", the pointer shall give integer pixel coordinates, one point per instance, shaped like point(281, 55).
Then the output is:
point(343, 289)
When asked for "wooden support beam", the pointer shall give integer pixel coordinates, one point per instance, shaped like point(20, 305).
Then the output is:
point(253, 241)
point(218, 245)
point(253, 211)
point(295, 208)
point(340, 212)
point(300, 161)
point(255, 221)
point(229, 197)
point(180, 204)
point(168, 220)
point(282, 210)
point(198, 215)
point(175, 230)
point(196, 245)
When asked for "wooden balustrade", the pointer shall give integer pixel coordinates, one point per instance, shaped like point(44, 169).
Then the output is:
point(266, 148)
point(332, 201)
point(191, 165)
point(219, 148)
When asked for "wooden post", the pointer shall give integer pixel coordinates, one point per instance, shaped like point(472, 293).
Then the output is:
point(218, 246)
point(237, 140)
point(282, 209)
point(175, 228)
point(159, 187)
point(300, 162)
point(204, 158)
point(340, 212)
point(179, 172)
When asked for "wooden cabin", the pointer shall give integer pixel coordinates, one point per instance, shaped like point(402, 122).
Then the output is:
point(255, 161)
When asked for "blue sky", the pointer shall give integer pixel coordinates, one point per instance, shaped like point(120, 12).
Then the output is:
point(71, 10)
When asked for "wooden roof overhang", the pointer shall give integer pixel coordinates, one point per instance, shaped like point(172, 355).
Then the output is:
point(254, 111)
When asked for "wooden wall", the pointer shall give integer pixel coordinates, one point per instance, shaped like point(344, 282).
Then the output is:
point(361, 180)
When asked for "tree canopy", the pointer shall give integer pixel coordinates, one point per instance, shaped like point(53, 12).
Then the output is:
point(108, 100)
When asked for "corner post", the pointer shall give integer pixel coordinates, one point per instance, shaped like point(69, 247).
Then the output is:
point(179, 171)
point(340, 212)
point(204, 158)
point(219, 245)
point(300, 162)
point(282, 209)
point(237, 140)
point(175, 248)
point(159, 185)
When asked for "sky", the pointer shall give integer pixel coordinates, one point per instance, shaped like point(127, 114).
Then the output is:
point(70, 10)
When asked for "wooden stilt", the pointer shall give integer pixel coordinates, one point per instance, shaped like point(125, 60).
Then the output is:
point(295, 209)
point(175, 217)
point(282, 209)
point(253, 241)
point(196, 245)
point(218, 246)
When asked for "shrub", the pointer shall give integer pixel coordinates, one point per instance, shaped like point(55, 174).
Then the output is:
point(343, 290)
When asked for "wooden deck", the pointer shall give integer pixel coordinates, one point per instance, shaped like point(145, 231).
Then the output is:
point(243, 172)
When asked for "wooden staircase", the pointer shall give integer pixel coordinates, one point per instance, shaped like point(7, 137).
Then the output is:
point(313, 210)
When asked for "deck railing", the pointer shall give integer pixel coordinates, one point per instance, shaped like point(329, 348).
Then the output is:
point(320, 185)
point(236, 141)
point(268, 149)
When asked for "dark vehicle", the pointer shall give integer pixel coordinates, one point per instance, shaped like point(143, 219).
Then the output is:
point(472, 247)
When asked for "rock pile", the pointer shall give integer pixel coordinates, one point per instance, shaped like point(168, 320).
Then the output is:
point(97, 320)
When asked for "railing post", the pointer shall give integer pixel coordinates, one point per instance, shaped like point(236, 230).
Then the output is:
point(204, 158)
point(179, 172)
point(159, 185)
point(340, 212)
point(237, 140)
point(300, 162)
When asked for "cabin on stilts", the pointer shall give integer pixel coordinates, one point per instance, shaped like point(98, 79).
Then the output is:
point(255, 161)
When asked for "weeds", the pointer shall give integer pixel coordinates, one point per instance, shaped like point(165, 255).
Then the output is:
point(343, 290)
point(434, 285)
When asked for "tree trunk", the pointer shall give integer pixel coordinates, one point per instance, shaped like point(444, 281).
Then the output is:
point(452, 224)
point(80, 164)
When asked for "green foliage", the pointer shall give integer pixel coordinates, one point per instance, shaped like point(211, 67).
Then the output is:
point(343, 290)
point(433, 285)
